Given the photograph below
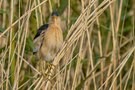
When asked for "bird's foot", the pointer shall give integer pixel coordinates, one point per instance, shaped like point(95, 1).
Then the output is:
point(51, 66)
point(47, 72)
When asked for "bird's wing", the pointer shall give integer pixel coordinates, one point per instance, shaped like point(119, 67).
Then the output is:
point(38, 39)
point(40, 30)
point(37, 43)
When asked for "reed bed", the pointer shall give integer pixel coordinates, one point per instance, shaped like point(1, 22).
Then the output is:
point(98, 52)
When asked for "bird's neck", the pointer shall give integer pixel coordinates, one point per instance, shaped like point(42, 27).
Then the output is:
point(55, 24)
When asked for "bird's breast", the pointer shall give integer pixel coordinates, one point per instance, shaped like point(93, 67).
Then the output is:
point(52, 43)
point(54, 37)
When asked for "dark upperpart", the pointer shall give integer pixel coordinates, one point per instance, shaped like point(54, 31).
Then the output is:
point(42, 28)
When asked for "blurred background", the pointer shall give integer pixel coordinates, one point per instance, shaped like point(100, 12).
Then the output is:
point(98, 52)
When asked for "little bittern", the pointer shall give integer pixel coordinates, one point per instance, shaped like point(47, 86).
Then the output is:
point(49, 39)
point(52, 39)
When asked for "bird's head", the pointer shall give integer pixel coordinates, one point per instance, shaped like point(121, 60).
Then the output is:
point(55, 19)
point(55, 13)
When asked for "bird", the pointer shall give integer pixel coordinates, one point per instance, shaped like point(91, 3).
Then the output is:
point(49, 39)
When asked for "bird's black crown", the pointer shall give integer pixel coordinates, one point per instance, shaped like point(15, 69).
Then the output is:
point(55, 13)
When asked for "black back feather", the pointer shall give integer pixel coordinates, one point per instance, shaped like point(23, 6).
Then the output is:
point(42, 28)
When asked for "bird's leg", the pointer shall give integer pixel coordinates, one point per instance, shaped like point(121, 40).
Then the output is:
point(47, 70)
point(42, 67)
point(44, 70)
point(50, 68)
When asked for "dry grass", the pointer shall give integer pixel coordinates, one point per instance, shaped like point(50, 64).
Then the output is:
point(97, 53)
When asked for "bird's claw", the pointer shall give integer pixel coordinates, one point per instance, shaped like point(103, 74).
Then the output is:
point(47, 72)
